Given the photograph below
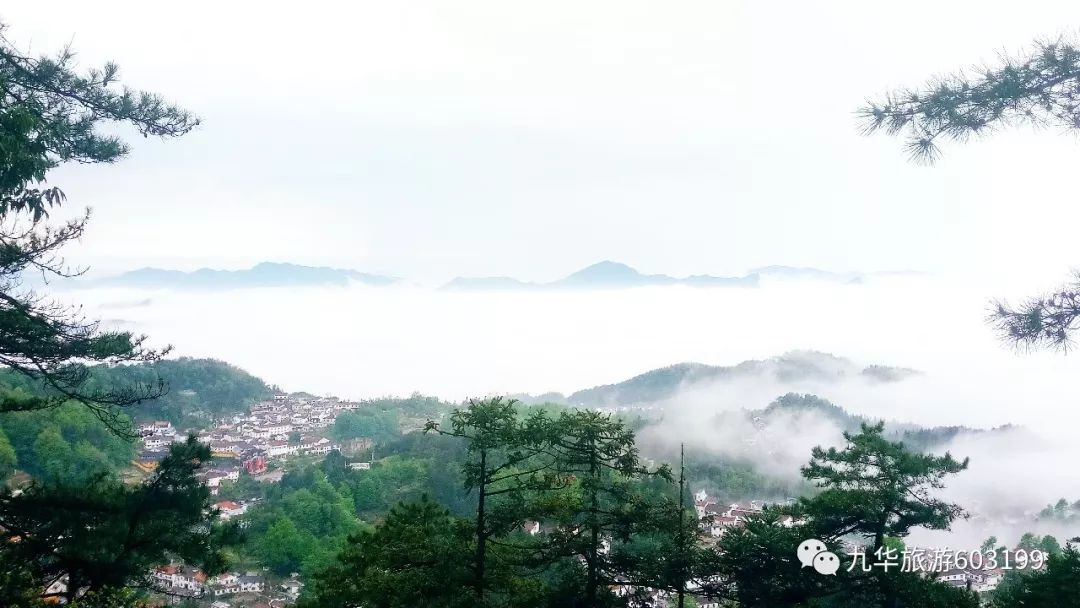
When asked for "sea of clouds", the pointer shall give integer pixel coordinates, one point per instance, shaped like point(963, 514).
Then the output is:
point(359, 342)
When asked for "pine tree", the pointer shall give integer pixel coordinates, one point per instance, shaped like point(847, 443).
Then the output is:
point(99, 535)
point(107, 535)
point(51, 114)
point(418, 556)
point(1040, 88)
point(876, 488)
point(508, 459)
point(604, 505)
point(871, 488)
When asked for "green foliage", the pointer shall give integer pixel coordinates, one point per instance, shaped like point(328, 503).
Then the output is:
point(606, 519)
point(110, 598)
point(1031, 542)
point(413, 406)
point(243, 489)
point(8, 457)
point(1054, 586)
point(418, 556)
point(200, 390)
point(414, 465)
point(379, 425)
point(730, 479)
point(1040, 88)
point(1061, 512)
point(77, 521)
point(1046, 321)
point(664, 552)
point(302, 520)
point(758, 564)
point(503, 460)
point(390, 481)
point(661, 384)
point(51, 114)
point(603, 501)
point(1050, 545)
point(654, 385)
point(282, 547)
point(912, 589)
point(876, 488)
point(104, 534)
point(798, 403)
point(872, 488)
point(67, 444)
point(70, 444)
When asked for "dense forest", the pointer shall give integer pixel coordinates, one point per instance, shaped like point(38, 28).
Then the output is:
point(200, 390)
point(335, 525)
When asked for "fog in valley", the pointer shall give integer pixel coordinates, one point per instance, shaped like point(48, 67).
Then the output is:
point(359, 342)
point(362, 342)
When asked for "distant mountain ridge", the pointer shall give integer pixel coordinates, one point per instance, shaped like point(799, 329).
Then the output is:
point(265, 274)
point(603, 275)
point(616, 275)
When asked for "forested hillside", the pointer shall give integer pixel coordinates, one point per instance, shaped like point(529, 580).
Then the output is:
point(71, 444)
point(200, 390)
point(660, 385)
point(321, 511)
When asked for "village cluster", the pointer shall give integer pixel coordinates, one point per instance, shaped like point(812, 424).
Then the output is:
point(287, 425)
point(179, 581)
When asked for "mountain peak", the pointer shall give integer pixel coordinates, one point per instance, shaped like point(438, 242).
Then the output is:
point(604, 272)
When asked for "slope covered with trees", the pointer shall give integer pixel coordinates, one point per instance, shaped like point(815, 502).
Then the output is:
point(663, 384)
point(613, 531)
point(200, 390)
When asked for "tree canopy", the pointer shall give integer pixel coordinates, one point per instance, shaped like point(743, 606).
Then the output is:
point(1041, 88)
point(77, 528)
point(104, 534)
point(51, 113)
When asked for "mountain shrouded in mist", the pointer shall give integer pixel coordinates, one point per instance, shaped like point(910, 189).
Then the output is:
point(265, 274)
point(603, 275)
point(664, 383)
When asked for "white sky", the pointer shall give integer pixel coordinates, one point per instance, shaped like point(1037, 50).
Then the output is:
point(433, 139)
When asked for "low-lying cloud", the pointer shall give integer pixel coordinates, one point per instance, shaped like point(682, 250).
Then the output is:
point(1013, 473)
point(359, 342)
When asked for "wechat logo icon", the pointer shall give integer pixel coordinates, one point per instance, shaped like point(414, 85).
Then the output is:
point(813, 553)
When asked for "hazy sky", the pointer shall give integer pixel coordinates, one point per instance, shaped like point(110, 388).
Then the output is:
point(431, 139)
